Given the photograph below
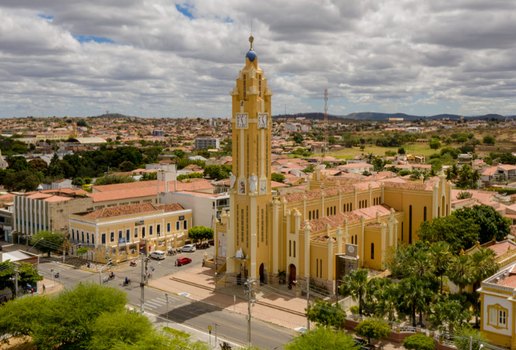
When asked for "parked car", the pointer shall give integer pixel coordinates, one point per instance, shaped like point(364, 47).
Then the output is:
point(188, 248)
point(158, 255)
point(183, 261)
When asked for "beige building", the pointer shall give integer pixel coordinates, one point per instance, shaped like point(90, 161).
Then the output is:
point(122, 232)
point(47, 210)
point(498, 308)
point(316, 232)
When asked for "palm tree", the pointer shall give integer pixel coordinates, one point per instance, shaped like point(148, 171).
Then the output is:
point(414, 294)
point(440, 258)
point(461, 271)
point(354, 284)
point(484, 265)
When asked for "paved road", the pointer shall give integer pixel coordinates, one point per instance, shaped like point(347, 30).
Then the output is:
point(180, 309)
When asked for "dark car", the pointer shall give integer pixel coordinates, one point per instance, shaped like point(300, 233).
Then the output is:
point(183, 261)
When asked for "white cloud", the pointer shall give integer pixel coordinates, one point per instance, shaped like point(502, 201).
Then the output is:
point(147, 58)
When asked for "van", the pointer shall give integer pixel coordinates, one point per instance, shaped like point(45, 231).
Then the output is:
point(158, 255)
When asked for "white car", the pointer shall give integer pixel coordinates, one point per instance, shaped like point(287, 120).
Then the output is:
point(158, 255)
point(188, 248)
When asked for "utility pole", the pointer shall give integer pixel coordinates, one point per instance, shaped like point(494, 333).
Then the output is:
point(216, 335)
point(249, 284)
point(142, 283)
point(16, 276)
point(166, 297)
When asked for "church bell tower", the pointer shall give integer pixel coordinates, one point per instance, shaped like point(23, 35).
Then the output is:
point(249, 240)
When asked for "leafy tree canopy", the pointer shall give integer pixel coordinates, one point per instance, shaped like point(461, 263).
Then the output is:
point(419, 342)
point(491, 225)
point(113, 179)
point(373, 328)
point(326, 314)
point(277, 177)
point(200, 233)
point(47, 241)
point(322, 338)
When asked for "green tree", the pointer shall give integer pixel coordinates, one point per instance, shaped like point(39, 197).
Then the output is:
point(380, 298)
point(119, 328)
point(461, 271)
point(38, 164)
point(200, 233)
point(217, 172)
point(468, 338)
point(419, 341)
point(440, 258)
point(354, 284)
point(457, 232)
point(467, 177)
point(277, 177)
point(488, 140)
point(70, 324)
point(435, 144)
point(414, 297)
point(126, 165)
point(47, 241)
point(113, 179)
point(322, 338)
point(449, 314)
point(298, 138)
point(373, 329)
point(54, 168)
point(17, 163)
point(491, 225)
point(27, 180)
point(19, 317)
point(325, 313)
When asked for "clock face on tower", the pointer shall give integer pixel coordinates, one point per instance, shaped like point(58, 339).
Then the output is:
point(262, 120)
point(241, 120)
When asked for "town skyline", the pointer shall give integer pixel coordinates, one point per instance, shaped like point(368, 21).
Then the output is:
point(173, 60)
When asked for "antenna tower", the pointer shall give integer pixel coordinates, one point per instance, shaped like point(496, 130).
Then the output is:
point(325, 123)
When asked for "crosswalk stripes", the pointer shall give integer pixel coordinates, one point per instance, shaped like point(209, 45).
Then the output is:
point(155, 303)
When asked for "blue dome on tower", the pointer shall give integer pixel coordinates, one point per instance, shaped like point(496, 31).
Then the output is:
point(251, 55)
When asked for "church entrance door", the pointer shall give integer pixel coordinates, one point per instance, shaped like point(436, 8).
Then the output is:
point(291, 276)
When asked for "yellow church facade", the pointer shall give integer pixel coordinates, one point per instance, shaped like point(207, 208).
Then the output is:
point(306, 233)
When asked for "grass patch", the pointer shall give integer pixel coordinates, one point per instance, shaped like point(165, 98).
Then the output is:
point(416, 148)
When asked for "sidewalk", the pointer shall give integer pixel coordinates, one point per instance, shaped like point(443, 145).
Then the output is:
point(198, 283)
point(51, 287)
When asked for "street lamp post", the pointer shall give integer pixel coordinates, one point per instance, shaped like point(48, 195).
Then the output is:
point(166, 297)
point(250, 302)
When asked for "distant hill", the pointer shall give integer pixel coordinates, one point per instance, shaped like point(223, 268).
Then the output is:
point(373, 116)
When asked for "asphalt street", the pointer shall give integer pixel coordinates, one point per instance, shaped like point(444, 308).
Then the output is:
point(179, 308)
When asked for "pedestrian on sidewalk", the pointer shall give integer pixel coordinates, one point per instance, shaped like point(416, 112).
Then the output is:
point(44, 288)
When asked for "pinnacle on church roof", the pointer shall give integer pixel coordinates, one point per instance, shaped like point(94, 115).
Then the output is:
point(251, 55)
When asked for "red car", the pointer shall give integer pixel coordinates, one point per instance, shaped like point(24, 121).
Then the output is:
point(183, 261)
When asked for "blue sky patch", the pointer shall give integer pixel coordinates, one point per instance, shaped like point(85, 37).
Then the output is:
point(185, 9)
point(48, 18)
point(94, 38)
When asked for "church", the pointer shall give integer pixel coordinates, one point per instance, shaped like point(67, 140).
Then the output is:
point(316, 233)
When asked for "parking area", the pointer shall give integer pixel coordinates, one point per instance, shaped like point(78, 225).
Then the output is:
point(157, 268)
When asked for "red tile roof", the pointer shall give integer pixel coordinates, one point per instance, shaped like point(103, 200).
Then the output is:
point(130, 209)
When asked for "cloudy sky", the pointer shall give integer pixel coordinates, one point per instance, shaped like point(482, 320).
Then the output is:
point(172, 59)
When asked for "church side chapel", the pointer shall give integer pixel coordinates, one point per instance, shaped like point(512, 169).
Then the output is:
point(318, 233)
